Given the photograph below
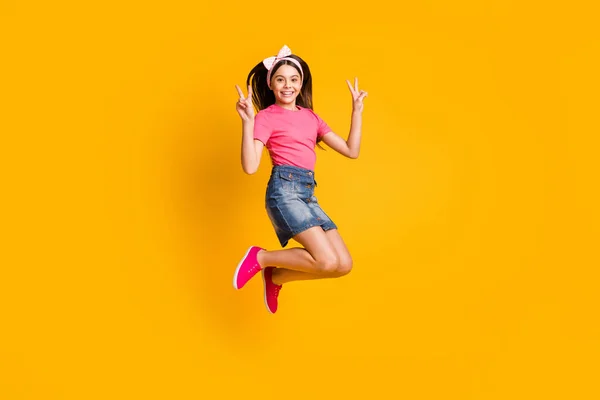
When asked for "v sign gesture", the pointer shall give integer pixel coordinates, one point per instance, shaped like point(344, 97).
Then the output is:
point(350, 147)
point(357, 96)
point(244, 105)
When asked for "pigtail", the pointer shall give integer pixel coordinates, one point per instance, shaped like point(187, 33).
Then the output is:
point(262, 96)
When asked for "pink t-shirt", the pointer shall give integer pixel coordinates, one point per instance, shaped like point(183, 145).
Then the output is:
point(290, 136)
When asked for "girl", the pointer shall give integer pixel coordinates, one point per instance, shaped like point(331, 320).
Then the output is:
point(281, 89)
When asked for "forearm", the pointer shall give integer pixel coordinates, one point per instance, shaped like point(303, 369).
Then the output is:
point(355, 134)
point(250, 160)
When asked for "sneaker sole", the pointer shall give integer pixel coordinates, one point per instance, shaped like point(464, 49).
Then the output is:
point(237, 270)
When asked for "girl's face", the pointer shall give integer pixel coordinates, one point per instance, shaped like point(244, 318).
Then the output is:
point(286, 84)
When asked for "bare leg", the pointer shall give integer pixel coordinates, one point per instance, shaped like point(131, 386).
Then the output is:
point(317, 257)
point(333, 243)
point(282, 275)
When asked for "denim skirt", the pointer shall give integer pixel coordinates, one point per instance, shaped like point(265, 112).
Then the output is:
point(291, 203)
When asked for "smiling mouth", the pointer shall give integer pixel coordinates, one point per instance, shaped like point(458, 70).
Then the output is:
point(287, 94)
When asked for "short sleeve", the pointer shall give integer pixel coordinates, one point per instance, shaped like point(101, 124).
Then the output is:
point(262, 130)
point(322, 127)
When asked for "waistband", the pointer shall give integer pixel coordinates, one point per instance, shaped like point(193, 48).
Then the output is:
point(293, 173)
point(294, 169)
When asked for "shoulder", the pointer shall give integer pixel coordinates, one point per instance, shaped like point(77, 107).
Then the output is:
point(311, 113)
point(268, 110)
point(308, 111)
point(265, 114)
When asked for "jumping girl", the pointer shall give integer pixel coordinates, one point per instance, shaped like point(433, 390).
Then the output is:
point(281, 89)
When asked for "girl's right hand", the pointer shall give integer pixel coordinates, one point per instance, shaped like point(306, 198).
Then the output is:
point(244, 105)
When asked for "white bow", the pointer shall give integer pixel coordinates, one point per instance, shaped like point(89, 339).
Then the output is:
point(270, 61)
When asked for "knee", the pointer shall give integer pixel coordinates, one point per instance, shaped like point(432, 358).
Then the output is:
point(335, 266)
point(344, 267)
point(328, 265)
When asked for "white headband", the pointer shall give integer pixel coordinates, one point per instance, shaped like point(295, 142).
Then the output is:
point(282, 55)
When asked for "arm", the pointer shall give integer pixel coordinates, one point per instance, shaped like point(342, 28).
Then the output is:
point(251, 149)
point(351, 147)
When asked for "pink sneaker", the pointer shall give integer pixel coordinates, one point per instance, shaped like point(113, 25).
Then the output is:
point(271, 290)
point(247, 268)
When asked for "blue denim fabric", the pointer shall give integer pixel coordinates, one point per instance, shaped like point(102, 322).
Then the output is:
point(291, 204)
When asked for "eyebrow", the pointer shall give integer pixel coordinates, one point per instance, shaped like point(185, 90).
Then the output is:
point(291, 76)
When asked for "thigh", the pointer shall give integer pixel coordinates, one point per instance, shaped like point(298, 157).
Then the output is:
point(336, 241)
point(315, 240)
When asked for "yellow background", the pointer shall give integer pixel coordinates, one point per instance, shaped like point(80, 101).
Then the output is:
point(471, 213)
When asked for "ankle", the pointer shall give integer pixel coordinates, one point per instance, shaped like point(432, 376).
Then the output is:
point(260, 258)
point(275, 277)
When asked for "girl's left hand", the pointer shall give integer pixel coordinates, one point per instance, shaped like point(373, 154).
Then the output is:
point(357, 96)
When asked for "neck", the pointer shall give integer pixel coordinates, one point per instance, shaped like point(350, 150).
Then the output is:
point(290, 106)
